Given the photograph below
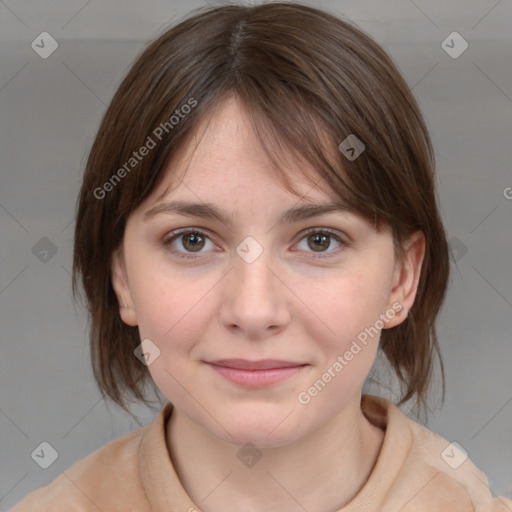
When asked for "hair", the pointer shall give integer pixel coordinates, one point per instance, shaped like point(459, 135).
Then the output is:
point(308, 80)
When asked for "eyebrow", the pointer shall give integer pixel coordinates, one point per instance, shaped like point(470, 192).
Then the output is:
point(210, 211)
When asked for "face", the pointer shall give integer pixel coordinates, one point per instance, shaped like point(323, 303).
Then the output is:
point(310, 292)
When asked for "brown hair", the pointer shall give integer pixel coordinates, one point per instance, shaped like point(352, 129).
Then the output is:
point(308, 80)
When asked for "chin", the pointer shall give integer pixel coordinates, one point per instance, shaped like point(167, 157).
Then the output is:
point(263, 431)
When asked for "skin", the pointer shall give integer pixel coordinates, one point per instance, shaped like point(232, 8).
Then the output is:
point(288, 304)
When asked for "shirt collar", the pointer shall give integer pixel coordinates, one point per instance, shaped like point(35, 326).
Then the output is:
point(165, 492)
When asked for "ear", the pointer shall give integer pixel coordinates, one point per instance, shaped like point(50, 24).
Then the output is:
point(122, 289)
point(406, 277)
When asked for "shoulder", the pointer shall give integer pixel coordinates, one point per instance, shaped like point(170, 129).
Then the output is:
point(444, 475)
point(97, 482)
point(430, 472)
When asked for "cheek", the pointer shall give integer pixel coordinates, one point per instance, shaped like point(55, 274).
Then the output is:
point(172, 310)
point(349, 341)
point(173, 313)
point(347, 337)
point(346, 306)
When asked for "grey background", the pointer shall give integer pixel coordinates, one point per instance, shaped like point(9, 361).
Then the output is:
point(50, 111)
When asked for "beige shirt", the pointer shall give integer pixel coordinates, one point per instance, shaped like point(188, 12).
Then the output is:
point(416, 471)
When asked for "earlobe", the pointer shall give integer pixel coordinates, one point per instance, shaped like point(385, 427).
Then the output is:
point(406, 279)
point(122, 290)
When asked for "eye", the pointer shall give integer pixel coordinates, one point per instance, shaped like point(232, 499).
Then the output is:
point(189, 241)
point(318, 240)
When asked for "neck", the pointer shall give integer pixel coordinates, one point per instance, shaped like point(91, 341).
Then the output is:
point(319, 472)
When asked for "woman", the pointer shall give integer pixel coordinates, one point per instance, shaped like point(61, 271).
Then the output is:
point(257, 218)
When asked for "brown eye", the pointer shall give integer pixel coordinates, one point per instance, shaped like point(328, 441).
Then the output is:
point(188, 243)
point(193, 241)
point(324, 242)
point(319, 241)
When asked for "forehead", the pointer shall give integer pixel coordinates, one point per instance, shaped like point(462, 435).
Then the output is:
point(223, 154)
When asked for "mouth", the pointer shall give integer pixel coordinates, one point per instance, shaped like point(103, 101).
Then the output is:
point(256, 374)
point(262, 364)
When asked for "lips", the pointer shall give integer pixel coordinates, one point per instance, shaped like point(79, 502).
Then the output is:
point(263, 364)
point(256, 374)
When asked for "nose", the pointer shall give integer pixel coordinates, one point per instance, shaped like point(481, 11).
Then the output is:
point(255, 297)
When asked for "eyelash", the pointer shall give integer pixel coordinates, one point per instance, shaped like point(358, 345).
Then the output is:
point(170, 237)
